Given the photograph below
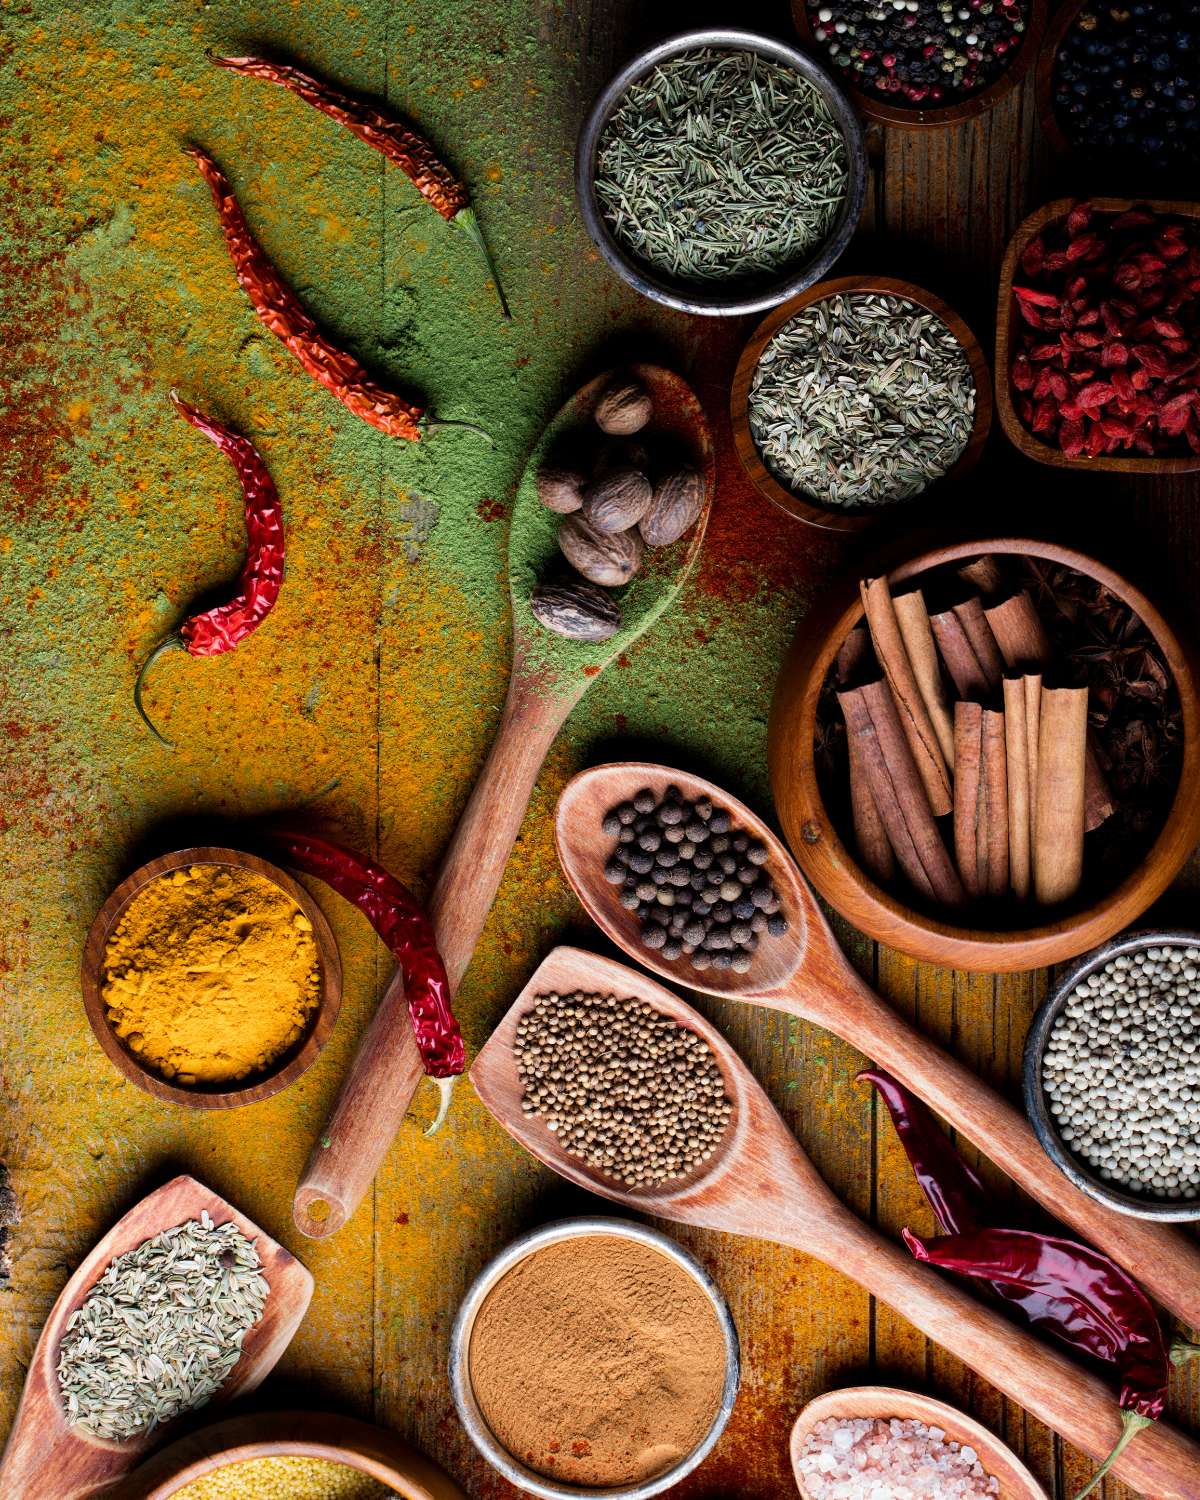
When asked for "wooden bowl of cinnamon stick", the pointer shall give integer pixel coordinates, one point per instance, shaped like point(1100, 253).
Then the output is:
point(987, 756)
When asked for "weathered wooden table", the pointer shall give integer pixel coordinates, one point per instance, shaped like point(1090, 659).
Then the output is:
point(371, 695)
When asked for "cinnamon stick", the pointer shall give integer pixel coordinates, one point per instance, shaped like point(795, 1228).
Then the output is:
point(1023, 642)
point(916, 725)
point(1062, 755)
point(971, 617)
point(1032, 682)
point(966, 672)
point(917, 634)
point(899, 792)
point(1016, 752)
point(870, 836)
point(1017, 629)
point(968, 765)
point(995, 818)
point(983, 573)
point(853, 656)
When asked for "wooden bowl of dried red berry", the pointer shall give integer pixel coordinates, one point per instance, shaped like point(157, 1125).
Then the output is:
point(1098, 336)
point(987, 755)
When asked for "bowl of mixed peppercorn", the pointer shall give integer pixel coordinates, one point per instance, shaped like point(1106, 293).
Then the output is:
point(924, 62)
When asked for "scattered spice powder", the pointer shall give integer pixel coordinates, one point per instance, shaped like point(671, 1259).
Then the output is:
point(598, 1361)
point(211, 974)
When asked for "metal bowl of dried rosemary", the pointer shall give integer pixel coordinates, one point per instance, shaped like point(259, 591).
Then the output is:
point(721, 172)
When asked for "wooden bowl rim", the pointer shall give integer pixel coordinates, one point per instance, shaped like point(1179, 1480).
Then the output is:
point(1058, 26)
point(873, 108)
point(801, 506)
point(959, 1425)
point(837, 874)
point(276, 1078)
point(1014, 429)
point(356, 1444)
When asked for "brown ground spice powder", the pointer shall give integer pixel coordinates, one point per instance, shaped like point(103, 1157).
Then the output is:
point(598, 1361)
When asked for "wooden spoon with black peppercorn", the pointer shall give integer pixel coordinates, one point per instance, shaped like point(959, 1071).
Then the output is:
point(757, 1181)
point(804, 972)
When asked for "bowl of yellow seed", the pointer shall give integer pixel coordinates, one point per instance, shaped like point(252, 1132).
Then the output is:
point(289, 1455)
point(211, 978)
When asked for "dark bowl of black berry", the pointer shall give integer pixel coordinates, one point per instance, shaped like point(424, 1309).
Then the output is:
point(1119, 84)
point(922, 63)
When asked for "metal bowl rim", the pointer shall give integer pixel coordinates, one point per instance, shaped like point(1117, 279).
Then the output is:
point(642, 279)
point(1176, 1211)
point(493, 1272)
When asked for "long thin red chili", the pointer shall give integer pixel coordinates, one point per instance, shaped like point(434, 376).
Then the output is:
point(1108, 1302)
point(401, 922)
point(280, 310)
point(224, 627)
point(961, 1203)
point(398, 141)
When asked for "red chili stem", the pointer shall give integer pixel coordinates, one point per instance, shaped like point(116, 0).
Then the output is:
point(397, 140)
point(172, 642)
point(280, 310)
point(402, 924)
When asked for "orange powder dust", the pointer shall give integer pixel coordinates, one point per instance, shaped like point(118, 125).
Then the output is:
point(598, 1361)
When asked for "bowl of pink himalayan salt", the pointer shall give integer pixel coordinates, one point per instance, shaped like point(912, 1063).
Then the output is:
point(871, 1442)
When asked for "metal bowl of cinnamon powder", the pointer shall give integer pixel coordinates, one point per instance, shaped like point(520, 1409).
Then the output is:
point(594, 1356)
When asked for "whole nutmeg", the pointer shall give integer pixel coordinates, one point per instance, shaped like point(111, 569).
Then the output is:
point(618, 501)
point(577, 609)
point(624, 407)
point(560, 488)
point(677, 501)
point(610, 558)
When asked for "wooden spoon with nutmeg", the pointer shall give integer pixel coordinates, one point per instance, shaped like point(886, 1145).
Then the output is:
point(550, 673)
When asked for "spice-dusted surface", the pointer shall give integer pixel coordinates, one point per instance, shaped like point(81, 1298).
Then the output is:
point(383, 662)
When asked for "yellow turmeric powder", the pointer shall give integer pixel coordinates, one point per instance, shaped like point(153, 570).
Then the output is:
point(211, 974)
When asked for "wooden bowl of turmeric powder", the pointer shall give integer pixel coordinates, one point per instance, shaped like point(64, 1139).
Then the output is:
point(211, 978)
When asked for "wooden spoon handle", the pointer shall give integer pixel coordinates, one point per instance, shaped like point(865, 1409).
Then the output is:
point(1160, 1461)
point(386, 1070)
point(1166, 1262)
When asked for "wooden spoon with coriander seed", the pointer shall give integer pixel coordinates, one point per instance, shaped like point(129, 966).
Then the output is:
point(758, 1182)
point(48, 1459)
point(805, 973)
point(549, 676)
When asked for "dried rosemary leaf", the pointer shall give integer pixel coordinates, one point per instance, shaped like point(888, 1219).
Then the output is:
point(721, 166)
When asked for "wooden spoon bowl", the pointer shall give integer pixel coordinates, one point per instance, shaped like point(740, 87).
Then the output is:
point(804, 973)
point(282, 1072)
point(290, 1434)
point(807, 507)
point(759, 1182)
point(46, 1458)
point(868, 1401)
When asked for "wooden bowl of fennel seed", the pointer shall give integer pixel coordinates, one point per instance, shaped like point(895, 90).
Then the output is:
point(858, 396)
point(721, 172)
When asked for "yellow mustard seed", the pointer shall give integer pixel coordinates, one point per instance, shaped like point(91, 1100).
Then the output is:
point(285, 1479)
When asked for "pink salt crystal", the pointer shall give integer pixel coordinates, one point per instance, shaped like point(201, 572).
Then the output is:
point(870, 1459)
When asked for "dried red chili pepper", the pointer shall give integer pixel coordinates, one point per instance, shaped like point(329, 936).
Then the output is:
point(278, 307)
point(1114, 1318)
point(224, 627)
point(395, 914)
point(399, 142)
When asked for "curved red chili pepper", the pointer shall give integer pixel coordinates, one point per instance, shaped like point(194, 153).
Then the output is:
point(401, 922)
point(280, 310)
point(227, 625)
point(399, 142)
point(1120, 1323)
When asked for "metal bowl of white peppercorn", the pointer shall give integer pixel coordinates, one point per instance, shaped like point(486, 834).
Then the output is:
point(1122, 1031)
point(732, 295)
point(537, 1482)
